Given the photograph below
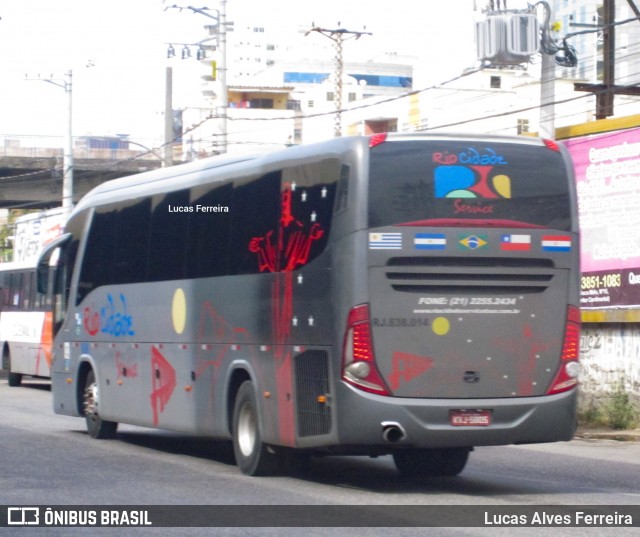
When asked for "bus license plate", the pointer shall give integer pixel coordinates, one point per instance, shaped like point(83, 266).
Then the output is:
point(470, 418)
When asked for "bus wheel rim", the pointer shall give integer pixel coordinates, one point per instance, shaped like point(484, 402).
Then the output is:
point(91, 401)
point(247, 427)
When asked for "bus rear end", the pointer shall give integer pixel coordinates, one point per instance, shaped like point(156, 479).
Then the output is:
point(470, 333)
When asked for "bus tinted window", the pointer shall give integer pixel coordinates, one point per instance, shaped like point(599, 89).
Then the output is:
point(411, 181)
point(256, 212)
point(96, 266)
point(212, 229)
point(209, 231)
point(168, 238)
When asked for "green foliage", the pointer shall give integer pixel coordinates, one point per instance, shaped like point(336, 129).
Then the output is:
point(616, 410)
point(620, 411)
point(592, 416)
point(7, 231)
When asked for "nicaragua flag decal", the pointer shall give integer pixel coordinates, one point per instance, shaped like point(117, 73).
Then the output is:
point(430, 241)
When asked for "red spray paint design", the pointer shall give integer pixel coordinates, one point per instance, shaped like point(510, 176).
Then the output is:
point(281, 251)
point(406, 367)
point(163, 382)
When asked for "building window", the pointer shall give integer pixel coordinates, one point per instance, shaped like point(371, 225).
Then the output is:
point(495, 82)
point(330, 96)
point(352, 97)
point(261, 103)
point(311, 104)
point(523, 126)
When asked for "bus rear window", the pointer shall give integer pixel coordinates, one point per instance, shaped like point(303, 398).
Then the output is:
point(459, 181)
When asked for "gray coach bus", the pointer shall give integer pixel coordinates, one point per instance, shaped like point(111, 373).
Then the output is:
point(413, 295)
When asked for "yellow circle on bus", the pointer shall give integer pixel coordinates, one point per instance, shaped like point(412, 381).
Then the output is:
point(179, 311)
point(502, 184)
point(441, 326)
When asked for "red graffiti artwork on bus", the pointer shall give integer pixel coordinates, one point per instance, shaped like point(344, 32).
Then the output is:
point(281, 251)
point(163, 382)
point(406, 367)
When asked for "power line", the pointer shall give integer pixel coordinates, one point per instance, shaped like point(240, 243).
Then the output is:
point(440, 85)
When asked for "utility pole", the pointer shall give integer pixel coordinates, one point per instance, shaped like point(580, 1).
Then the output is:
point(338, 37)
point(67, 155)
point(606, 92)
point(547, 96)
point(67, 160)
point(224, 93)
point(222, 26)
point(167, 159)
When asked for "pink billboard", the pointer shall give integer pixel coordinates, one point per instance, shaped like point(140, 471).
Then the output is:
point(607, 170)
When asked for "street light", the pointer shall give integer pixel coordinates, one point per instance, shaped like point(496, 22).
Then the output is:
point(67, 155)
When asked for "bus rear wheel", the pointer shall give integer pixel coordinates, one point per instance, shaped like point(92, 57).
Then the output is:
point(431, 462)
point(96, 426)
point(253, 456)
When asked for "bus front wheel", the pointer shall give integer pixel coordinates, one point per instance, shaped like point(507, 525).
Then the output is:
point(13, 379)
point(253, 457)
point(96, 426)
point(431, 462)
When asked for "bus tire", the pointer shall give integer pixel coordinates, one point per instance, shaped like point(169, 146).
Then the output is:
point(13, 379)
point(431, 462)
point(96, 426)
point(253, 457)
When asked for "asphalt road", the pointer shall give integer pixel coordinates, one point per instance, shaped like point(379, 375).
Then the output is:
point(49, 459)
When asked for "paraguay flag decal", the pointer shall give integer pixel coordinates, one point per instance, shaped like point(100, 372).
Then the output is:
point(556, 243)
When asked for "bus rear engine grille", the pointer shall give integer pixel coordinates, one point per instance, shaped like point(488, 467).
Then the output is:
point(312, 384)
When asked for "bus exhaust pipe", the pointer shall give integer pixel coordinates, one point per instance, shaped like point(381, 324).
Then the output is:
point(392, 432)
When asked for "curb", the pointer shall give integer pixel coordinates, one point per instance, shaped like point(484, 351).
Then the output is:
point(632, 435)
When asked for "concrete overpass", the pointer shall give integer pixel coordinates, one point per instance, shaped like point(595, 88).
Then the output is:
point(31, 175)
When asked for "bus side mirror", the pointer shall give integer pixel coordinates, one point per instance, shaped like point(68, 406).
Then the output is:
point(44, 260)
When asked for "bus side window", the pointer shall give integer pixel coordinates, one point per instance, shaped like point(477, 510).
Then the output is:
point(255, 219)
point(4, 292)
point(167, 236)
point(16, 290)
point(27, 287)
point(208, 237)
point(342, 195)
point(97, 265)
point(132, 239)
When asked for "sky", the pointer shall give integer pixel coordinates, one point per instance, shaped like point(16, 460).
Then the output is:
point(117, 52)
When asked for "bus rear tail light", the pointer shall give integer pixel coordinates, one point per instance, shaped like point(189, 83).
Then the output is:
point(358, 360)
point(567, 375)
